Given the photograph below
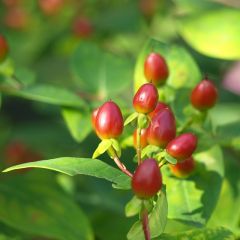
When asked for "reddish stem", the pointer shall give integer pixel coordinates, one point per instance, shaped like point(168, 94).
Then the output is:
point(145, 224)
point(122, 167)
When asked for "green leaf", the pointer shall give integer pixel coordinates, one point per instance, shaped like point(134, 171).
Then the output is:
point(230, 196)
point(116, 146)
point(193, 200)
point(86, 166)
point(231, 113)
point(38, 208)
point(78, 123)
point(150, 151)
point(103, 146)
point(204, 31)
point(100, 72)
point(130, 118)
point(133, 207)
point(49, 94)
point(157, 220)
point(25, 76)
point(170, 159)
point(184, 71)
point(219, 233)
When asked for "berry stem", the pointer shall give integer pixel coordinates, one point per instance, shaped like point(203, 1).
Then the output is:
point(118, 162)
point(145, 222)
point(139, 148)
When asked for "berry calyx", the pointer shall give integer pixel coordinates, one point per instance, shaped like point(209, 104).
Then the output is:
point(183, 169)
point(162, 128)
point(147, 179)
point(204, 95)
point(160, 106)
point(3, 48)
point(143, 138)
point(183, 146)
point(109, 121)
point(93, 117)
point(146, 98)
point(156, 69)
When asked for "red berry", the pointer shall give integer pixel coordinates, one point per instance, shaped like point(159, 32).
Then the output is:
point(3, 48)
point(147, 179)
point(156, 69)
point(204, 95)
point(143, 139)
point(51, 7)
point(145, 99)
point(16, 18)
point(160, 106)
point(183, 146)
point(148, 7)
point(183, 169)
point(109, 121)
point(82, 27)
point(162, 128)
point(94, 116)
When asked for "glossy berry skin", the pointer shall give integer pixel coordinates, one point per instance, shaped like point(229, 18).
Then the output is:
point(204, 95)
point(147, 179)
point(93, 117)
point(156, 69)
point(162, 128)
point(183, 146)
point(109, 121)
point(143, 140)
point(82, 27)
point(3, 48)
point(183, 169)
point(160, 106)
point(146, 98)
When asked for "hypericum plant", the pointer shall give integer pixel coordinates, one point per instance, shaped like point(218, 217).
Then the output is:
point(3, 48)
point(160, 139)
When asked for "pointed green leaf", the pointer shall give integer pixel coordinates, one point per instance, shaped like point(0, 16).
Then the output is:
point(37, 207)
point(170, 159)
point(219, 233)
point(133, 207)
point(78, 123)
point(204, 31)
point(193, 199)
point(86, 166)
point(103, 146)
point(116, 146)
point(130, 118)
point(157, 220)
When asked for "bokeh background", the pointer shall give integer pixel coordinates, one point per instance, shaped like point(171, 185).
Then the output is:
point(69, 56)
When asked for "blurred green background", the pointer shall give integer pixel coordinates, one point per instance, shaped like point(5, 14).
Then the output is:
point(67, 57)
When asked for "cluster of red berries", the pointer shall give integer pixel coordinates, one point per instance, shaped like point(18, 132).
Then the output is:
point(158, 127)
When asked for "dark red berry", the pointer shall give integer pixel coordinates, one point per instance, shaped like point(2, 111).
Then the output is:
point(143, 139)
point(156, 69)
point(183, 169)
point(109, 121)
point(3, 48)
point(162, 128)
point(147, 179)
point(183, 146)
point(160, 106)
point(82, 27)
point(93, 117)
point(145, 99)
point(204, 95)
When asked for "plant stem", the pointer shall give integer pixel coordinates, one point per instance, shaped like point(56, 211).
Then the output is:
point(139, 148)
point(185, 125)
point(120, 165)
point(145, 223)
